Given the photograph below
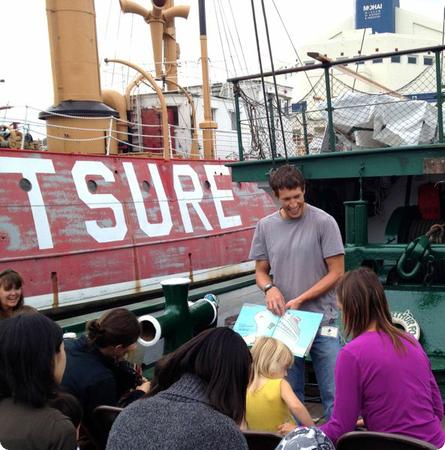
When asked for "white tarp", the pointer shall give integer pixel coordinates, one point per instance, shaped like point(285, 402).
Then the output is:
point(392, 121)
point(383, 120)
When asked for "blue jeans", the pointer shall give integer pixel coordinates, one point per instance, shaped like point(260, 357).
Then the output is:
point(323, 354)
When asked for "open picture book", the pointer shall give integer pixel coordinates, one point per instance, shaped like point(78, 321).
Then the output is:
point(296, 329)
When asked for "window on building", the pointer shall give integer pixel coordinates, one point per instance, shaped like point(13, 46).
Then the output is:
point(395, 59)
point(214, 114)
point(284, 106)
point(309, 63)
point(428, 60)
point(377, 60)
point(359, 62)
point(412, 59)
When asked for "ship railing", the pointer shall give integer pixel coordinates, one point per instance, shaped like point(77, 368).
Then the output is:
point(346, 107)
point(134, 137)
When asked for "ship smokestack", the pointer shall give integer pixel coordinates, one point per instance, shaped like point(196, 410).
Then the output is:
point(76, 79)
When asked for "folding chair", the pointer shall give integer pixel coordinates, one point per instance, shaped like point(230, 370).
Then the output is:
point(259, 440)
point(371, 440)
point(101, 422)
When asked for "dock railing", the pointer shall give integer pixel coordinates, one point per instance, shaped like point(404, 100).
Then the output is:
point(345, 108)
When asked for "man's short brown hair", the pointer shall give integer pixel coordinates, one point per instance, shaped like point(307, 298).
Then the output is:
point(286, 177)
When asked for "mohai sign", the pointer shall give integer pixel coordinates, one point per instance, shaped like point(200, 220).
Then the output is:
point(378, 15)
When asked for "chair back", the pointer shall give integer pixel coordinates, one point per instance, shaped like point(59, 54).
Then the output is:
point(371, 440)
point(259, 440)
point(102, 420)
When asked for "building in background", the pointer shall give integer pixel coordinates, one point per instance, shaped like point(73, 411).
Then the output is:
point(376, 27)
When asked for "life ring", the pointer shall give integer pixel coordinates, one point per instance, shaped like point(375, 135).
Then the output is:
point(407, 321)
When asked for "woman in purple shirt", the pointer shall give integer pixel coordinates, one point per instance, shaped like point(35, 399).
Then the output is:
point(382, 374)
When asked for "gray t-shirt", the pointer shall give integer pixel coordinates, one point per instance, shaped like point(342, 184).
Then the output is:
point(296, 250)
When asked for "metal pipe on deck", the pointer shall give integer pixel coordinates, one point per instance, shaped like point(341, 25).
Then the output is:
point(180, 318)
point(164, 115)
point(208, 125)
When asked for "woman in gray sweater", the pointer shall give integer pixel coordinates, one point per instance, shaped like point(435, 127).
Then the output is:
point(197, 399)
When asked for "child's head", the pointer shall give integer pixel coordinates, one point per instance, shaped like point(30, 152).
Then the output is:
point(69, 406)
point(270, 357)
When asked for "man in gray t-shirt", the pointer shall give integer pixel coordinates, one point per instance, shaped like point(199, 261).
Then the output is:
point(301, 246)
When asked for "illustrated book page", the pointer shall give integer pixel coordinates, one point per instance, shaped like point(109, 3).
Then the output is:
point(296, 329)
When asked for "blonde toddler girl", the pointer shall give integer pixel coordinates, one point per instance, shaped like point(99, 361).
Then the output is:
point(270, 401)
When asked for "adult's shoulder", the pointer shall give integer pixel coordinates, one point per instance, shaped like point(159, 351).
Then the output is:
point(319, 214)
point(76, 345)
point(270, 218)
point(49, 425)
point(224, 431)
point(59, 421)
point(61, 432)
point(367, 343)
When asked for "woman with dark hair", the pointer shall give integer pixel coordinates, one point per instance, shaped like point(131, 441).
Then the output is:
point(383, 373)
point(32, 361)
point(96, 370)
point(197, 399)
point(11, 295)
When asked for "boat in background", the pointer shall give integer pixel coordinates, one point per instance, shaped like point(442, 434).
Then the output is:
point(98, 216)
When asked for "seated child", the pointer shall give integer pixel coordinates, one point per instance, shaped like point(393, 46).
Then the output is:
point(69, 406)
point(270, 400)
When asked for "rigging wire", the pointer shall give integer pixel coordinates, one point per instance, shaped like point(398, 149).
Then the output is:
point(361, 49)
point(238, 37)
point(262, 80)
point(292, 44)
point(230, 35)
point(221, 42)
point(115, 50)
point(222, 48)
point(249, 84)
point(443, 33)
point(129, 49)
point(226, 35)
point(274, 79)
point(107, 24)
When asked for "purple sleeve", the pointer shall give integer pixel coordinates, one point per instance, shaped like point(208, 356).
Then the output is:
point(331, 242)
point(436, 397)
point(347, 397)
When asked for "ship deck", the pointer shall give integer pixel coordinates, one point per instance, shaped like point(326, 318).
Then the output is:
point(392, 161)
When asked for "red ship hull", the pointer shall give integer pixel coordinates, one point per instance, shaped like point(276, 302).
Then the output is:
point(82, 228)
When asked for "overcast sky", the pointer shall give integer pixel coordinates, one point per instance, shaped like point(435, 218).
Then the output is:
point(26, 66)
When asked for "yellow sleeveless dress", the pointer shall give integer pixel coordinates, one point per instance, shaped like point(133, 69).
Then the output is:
point(265, 409)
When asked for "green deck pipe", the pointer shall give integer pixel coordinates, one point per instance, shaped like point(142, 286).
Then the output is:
point(236, 93)
point(388, 251)
point(178, 321)
point(175, 323)
point(439, 95)
point(329, 109)
point(201, 313)
point(356, 213)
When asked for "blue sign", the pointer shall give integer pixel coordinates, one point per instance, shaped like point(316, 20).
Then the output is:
point(299, 107)
point(430, 97)
point(380, 15)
